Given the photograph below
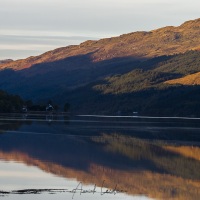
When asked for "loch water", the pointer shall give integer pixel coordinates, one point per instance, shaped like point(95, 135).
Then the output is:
point(56, 156)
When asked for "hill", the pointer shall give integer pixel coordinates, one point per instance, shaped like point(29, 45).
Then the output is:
point(5, 61)
point(113, 74)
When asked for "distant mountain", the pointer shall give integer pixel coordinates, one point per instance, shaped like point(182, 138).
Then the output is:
point(6, 61)
point(107, 75)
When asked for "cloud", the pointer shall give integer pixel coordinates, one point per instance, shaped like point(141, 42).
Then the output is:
point(21, 46)
point(89, 18)
point(97, 18)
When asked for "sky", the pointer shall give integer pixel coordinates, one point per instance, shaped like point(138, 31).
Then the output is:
point(31, 27)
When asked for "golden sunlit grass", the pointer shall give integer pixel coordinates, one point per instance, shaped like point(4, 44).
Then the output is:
point(188, 151)
point(193, 79)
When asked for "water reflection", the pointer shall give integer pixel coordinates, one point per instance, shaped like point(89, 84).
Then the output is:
point(152, 158)
point(41, 185)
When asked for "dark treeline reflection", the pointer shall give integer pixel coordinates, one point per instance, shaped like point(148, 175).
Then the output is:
point(141, 157)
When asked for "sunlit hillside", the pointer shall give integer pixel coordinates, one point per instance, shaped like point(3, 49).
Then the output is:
point(193, 79)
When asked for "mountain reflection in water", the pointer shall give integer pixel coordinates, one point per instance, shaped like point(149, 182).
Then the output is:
point(156, 158)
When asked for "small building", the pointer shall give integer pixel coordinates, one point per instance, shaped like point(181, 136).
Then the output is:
point(24, 109)
point(49, 108)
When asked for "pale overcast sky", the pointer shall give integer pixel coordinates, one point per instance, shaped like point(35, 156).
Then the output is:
point(30, 27)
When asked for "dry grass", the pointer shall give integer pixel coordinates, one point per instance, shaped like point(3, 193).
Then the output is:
point(193, 79)
point(187, 151)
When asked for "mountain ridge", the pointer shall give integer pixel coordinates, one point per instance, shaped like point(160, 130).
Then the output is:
point(6, 61)
point(140, 45)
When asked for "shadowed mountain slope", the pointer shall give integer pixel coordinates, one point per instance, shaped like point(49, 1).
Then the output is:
point(153, 73)
point(143, 89)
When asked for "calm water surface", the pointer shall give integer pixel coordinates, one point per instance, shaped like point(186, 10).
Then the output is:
point(98, 157)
